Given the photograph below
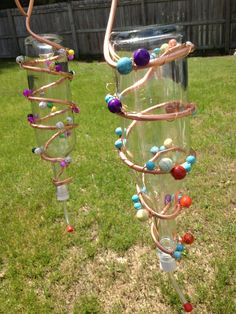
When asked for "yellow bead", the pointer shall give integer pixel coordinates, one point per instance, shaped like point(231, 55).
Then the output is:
point(164, 47)
point(71, 52)
point(142, 215)
point(54, 109)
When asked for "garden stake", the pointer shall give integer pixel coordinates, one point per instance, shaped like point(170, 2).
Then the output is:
point(52, 114)
point(151, 80)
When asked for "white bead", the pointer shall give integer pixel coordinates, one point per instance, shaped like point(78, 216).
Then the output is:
point(38, 150)
point(68, 159)
point(142, 215)
point(19, 59)
point(60, 125)
point(165, 164)
point(69, 120)
point(42, 105)
point(188, 43)
point(168, 142)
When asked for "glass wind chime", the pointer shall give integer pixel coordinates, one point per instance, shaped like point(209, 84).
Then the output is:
point(151, 83)
point(52, 117)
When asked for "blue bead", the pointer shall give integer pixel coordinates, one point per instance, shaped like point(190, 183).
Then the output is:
point(154, 150)
point(124, 65)
point(162, 148)
point(187, 166)
point(150, 165)
point(177, 255)
point(137, 205)
point(118, 144)
point(135, 198)
point(157, 50)
point(179, 247)
point(118, 131)
point(191, 159)
point(108, 98)
point(144, 189)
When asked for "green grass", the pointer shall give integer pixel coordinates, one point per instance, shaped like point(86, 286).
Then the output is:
point(108, 265)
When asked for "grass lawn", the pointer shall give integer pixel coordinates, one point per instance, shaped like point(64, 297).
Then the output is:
point(109, 266)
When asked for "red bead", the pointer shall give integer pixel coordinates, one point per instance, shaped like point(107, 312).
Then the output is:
point(188, 238)
point(188, 307)
point(185, 201)
point(178, 172)
point(70, 229)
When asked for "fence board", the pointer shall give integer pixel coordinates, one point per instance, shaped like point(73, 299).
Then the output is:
point(210, 24)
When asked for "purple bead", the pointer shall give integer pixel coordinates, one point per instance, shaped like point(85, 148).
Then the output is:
point(63, 164)
point(30, 118)
point(167, 199)
point(114, 105)
point(75, 109)
point(27, 92)
point(141, 57)
point(70, 57)
point(58, 67)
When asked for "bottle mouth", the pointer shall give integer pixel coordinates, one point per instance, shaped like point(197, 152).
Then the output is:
point(35, 48)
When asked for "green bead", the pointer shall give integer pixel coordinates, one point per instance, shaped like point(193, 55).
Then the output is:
point(62, 135)
point(50, 105)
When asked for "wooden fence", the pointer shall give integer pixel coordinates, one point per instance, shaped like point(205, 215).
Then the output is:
point(210, 24)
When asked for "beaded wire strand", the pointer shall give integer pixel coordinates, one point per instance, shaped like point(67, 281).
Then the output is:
point(37, 96)
point(174, 110)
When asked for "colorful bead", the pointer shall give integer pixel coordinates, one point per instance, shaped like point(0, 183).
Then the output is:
point(150, 165)
point(114, 105)
point(172, 43)
point(178, 172)
point(177, 255)
point(165, 164)
point(30, 118)
point(108, 98)
point(71, 52)
point(191, 159)
point(59, 125)
point(70, 58)
point(167, 199)
point(42, 105)
point(162, 148)
point(137, 205)
point(58, 68)
point(50, 105)
point(168, 142)
point(118, 131)
point(157, 50)
point(179, 247)
point(75, 109)
point(54, 109)
point(141, 57)
point(27, 92)
point(135, 198)
point(118, 144)
point(124, 65)
point(164, 47)
point(188, 238)
point(62, 135)
point(188, 307)
point(142, 215)
point(69, 120)
point(63, 163)
point(154, 150)
point(70, 229)
point(185, 201)
point(187, 166)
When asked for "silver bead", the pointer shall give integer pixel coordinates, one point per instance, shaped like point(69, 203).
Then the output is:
point(59, 125)
point(42, 105)
point(19, 59)
point(38, 150)
point(68, 159)
point(69, 120)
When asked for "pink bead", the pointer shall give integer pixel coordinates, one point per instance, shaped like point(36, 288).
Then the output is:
point(63, 164)
point(70, 57)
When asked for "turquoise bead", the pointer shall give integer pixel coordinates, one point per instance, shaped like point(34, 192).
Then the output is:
point(187, 166)
point(157, 50)
point(150, 165)
point(118, 131)
point(124, 65)
point(179, 247)
point(162, 148)
point(118, 144)
point(154, 150)
point(191, 159)
point(108, 98)
point(135, 198)
point(177, 255)
point(137, 205)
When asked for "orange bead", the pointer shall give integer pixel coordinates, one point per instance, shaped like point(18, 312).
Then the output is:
point(185, 201)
